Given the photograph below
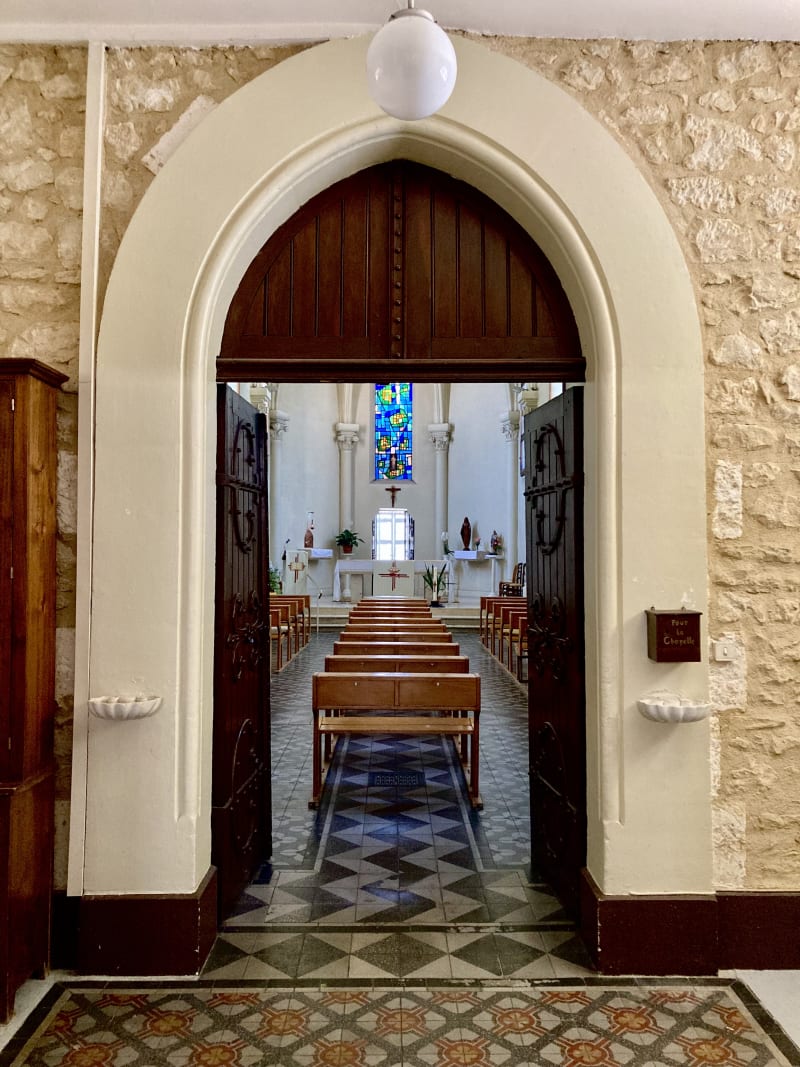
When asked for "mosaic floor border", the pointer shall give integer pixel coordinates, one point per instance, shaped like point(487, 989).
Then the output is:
point(590, 1022)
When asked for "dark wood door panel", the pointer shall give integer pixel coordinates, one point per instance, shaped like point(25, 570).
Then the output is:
point(241, 808)
point(554, 522)
point(6, 561)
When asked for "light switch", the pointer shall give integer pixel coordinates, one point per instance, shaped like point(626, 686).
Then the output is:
point(724, 651)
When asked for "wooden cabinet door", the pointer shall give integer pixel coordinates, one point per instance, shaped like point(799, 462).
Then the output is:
point(553, 444)
point(241, 808)
point(6, 529)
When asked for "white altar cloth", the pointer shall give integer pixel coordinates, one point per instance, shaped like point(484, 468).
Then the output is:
point(364, 567)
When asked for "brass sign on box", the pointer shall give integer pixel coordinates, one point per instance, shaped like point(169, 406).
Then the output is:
point(673, 636)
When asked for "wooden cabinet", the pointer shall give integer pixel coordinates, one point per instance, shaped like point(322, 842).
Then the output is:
point(28, 395)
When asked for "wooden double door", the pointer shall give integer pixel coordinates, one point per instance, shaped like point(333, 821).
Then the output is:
point(553, 450)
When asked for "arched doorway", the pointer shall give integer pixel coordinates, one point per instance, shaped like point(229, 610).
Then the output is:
point(401, 270)
point(148, 586)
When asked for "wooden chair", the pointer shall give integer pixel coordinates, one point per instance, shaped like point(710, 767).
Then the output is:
point(517, 583)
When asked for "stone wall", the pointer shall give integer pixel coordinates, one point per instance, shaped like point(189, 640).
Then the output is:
point(42, 100)
point(713, 128)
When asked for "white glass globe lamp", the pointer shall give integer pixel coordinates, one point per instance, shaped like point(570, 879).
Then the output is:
point(411, 65)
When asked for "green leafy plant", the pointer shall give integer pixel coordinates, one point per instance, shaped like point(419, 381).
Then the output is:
point(348, 537)
point(274, 580)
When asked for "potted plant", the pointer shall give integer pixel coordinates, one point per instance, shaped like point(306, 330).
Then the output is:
point(347, 540)
point(435, 580)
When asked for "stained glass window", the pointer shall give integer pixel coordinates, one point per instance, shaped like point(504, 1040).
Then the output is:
point(393, 431)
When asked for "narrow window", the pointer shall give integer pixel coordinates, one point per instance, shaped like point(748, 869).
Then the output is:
point(393, 431)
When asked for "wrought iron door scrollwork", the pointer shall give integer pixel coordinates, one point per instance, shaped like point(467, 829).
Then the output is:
point(248, 453)
point(547, 539)
point(246, 635)
point(548, 644)
point(246, 782)
point(244, 539)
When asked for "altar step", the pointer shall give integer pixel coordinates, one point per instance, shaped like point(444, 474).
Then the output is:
point(333, 616)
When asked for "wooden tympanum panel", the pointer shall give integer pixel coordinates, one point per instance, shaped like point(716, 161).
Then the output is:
point(400, 263)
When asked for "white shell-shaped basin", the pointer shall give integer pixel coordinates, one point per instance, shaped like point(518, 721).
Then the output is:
point(671, 708)
point(123, 707)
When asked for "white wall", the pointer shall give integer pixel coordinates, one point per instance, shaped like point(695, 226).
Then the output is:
point(309, 465)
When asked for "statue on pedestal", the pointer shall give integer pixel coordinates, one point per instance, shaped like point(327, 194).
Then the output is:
point(466, 533)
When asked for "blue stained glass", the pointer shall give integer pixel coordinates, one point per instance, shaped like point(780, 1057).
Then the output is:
point(393, 431)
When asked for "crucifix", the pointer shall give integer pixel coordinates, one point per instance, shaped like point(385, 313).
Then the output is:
point(394, 490)
point(394, 573)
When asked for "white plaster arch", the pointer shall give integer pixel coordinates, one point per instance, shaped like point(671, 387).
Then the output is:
point(141, 796)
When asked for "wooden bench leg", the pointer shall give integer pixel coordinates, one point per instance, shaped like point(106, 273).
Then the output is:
point(474, 781)
point(316, 773)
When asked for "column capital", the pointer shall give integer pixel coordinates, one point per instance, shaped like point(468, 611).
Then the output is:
point(346, 435)
point(509, 425)
point(278, 424)
point(440, 435)
point(528, 397)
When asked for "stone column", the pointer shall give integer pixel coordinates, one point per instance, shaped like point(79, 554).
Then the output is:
point(440, 437)
point(510, 429)
point(278, 424)
point(346, 439)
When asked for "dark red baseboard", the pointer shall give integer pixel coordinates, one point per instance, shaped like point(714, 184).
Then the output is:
point(649, 934)
point(148, 935)
point(759, 931)
point(685, 935)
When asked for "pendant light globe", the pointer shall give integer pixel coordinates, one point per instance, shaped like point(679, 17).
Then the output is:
point(411, 65)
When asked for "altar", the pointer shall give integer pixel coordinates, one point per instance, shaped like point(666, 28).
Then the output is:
point(364, 568)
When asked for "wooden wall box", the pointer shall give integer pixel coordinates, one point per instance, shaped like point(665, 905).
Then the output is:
point(28, 397)
point(673, 636)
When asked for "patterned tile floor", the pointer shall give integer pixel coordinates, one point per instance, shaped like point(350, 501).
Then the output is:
point(397, 928)
point(706, 1023)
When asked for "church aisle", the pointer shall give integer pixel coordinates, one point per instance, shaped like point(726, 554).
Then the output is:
point(395, 876)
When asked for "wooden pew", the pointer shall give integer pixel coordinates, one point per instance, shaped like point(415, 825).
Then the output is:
point(393, 601)
point(392, 613)
point(519, 645)
point(486, 605)
point(299, 615)
point(396, 635)
point(409, 625)
point(278, 630)
point(502, 613)
point(455, 698)
point(497, 606)
point(386, 609)
point(399, 664)
point(400, 648)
